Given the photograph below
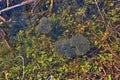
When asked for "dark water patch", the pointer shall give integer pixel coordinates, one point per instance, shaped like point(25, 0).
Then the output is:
point(80, 3)
point(7, 14)
point(57, 5)
point(91, 10)
point(56, 32)
point(101, 4)
point(92, 52)
point(2, 4)
point(17, 22)
point(16, 18)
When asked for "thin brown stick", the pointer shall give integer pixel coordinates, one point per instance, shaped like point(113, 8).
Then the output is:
point(104, 71)
point(2, 18)
point(36, 2)
point(3, 35)
point(99, 11)
point(116, 68)
point(51, 6)
point(7, 43)
point(17, 5)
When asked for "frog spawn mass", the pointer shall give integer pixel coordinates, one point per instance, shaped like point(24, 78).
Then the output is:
point(45, 25)
point(78, 45)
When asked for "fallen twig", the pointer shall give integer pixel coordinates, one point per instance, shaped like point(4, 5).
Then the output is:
point(2, 18)
point(3, 35)
point(17, 5)
point(116, 68)
point(51, 6)
point(100, 12)
point(34, 5)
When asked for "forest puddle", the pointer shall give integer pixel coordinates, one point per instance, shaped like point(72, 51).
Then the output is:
point(59, 39)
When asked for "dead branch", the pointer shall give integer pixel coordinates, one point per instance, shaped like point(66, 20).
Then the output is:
point(17, 5)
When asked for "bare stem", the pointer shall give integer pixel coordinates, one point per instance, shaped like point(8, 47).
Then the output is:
point(51, 6)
